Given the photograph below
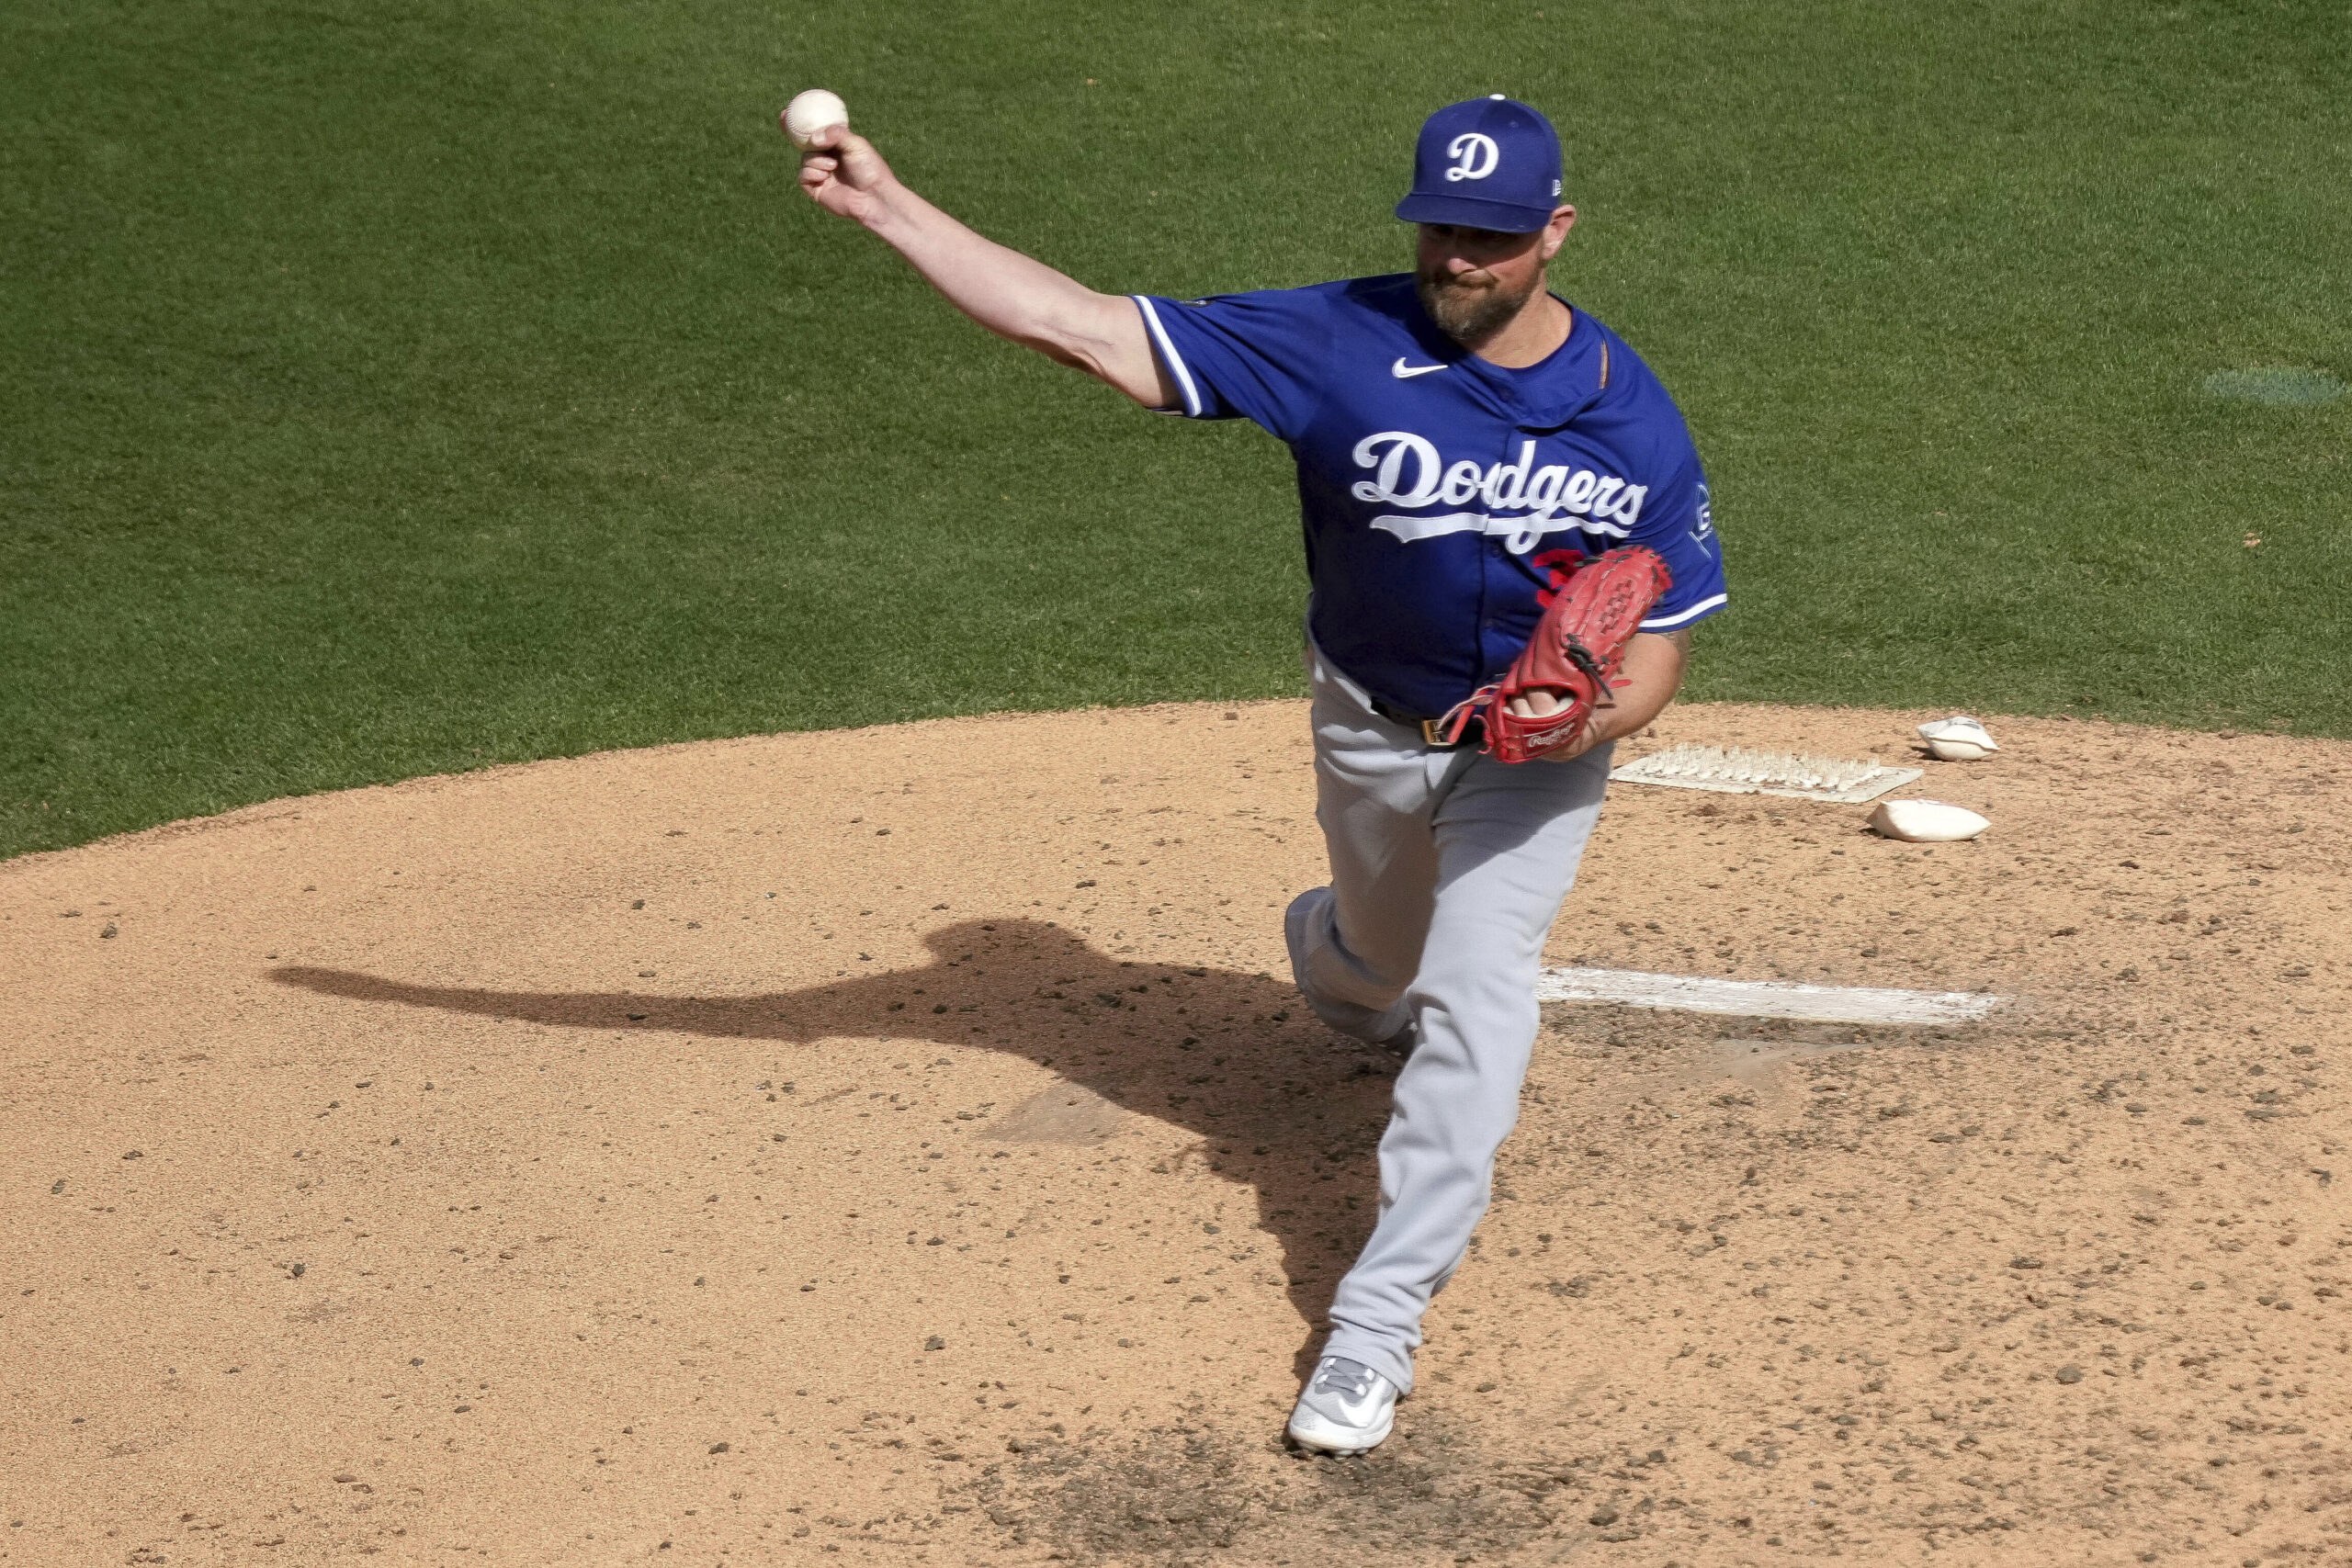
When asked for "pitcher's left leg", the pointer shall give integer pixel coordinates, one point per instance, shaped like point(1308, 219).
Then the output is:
point(1509, 838)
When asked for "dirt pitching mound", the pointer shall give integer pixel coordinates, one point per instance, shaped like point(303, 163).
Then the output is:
point(905, 1146)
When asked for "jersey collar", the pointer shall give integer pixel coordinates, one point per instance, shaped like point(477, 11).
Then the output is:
point(1541, 396)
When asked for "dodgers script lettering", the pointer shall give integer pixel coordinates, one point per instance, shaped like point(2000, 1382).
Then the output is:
point(1521, 502)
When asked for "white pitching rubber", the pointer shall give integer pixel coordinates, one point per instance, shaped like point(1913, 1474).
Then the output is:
point(1762, 999)
point(1958, 739)
point(811, 112)
point(1926, 821)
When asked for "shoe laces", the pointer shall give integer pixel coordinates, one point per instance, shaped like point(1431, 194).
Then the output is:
point(1350, 1379)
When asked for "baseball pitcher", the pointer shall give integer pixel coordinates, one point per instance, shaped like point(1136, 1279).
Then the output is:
point(1508, 542)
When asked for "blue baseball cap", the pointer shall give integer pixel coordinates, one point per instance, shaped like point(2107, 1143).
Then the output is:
point(1487, 164)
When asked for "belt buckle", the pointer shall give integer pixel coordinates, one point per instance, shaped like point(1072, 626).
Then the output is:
point(1433, 735)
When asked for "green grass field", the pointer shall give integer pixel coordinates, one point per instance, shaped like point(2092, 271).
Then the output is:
point(401, 387)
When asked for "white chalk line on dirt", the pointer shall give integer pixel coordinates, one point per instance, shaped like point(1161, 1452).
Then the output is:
point(1763, 998)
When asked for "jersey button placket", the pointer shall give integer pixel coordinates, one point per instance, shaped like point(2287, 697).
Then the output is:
point(1495, 574)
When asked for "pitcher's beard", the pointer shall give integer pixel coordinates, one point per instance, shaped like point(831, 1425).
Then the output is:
point(1470, 314)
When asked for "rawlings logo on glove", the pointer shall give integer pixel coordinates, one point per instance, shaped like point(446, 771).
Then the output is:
point(1574, 654)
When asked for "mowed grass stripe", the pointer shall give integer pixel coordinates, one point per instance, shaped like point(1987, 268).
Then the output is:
point(394, 391)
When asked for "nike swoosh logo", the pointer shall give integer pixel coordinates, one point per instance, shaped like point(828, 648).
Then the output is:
point(1404, 372)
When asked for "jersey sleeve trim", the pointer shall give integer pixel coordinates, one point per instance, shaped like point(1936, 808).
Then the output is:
point(1666, 623)
point(1173, 360)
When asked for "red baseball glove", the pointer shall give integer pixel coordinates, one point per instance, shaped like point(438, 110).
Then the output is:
point(1574, 653)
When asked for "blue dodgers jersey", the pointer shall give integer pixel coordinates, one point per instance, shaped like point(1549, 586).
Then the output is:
point(1445, 498)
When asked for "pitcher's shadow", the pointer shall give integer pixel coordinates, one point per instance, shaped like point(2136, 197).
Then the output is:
point(1289, 1108)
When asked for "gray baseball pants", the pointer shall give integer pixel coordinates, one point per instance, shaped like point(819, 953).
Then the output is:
point(1447, 871)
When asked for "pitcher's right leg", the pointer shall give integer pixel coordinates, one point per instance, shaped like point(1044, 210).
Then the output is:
point(1356, 945)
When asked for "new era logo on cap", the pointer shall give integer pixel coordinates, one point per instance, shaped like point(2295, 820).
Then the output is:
point(1484, 163)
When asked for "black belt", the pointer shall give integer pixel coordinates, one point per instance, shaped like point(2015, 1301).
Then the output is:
point(1473, 733)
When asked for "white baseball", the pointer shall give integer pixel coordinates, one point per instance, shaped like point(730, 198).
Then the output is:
point(1926, 821)
point(810, 112)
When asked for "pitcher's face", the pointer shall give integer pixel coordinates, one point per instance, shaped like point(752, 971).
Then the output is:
point(1472, 281)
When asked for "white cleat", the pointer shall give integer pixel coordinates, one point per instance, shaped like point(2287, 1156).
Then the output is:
point(1346, 1408)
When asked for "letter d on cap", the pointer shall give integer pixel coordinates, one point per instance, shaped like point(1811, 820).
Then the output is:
point(1474, 156)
